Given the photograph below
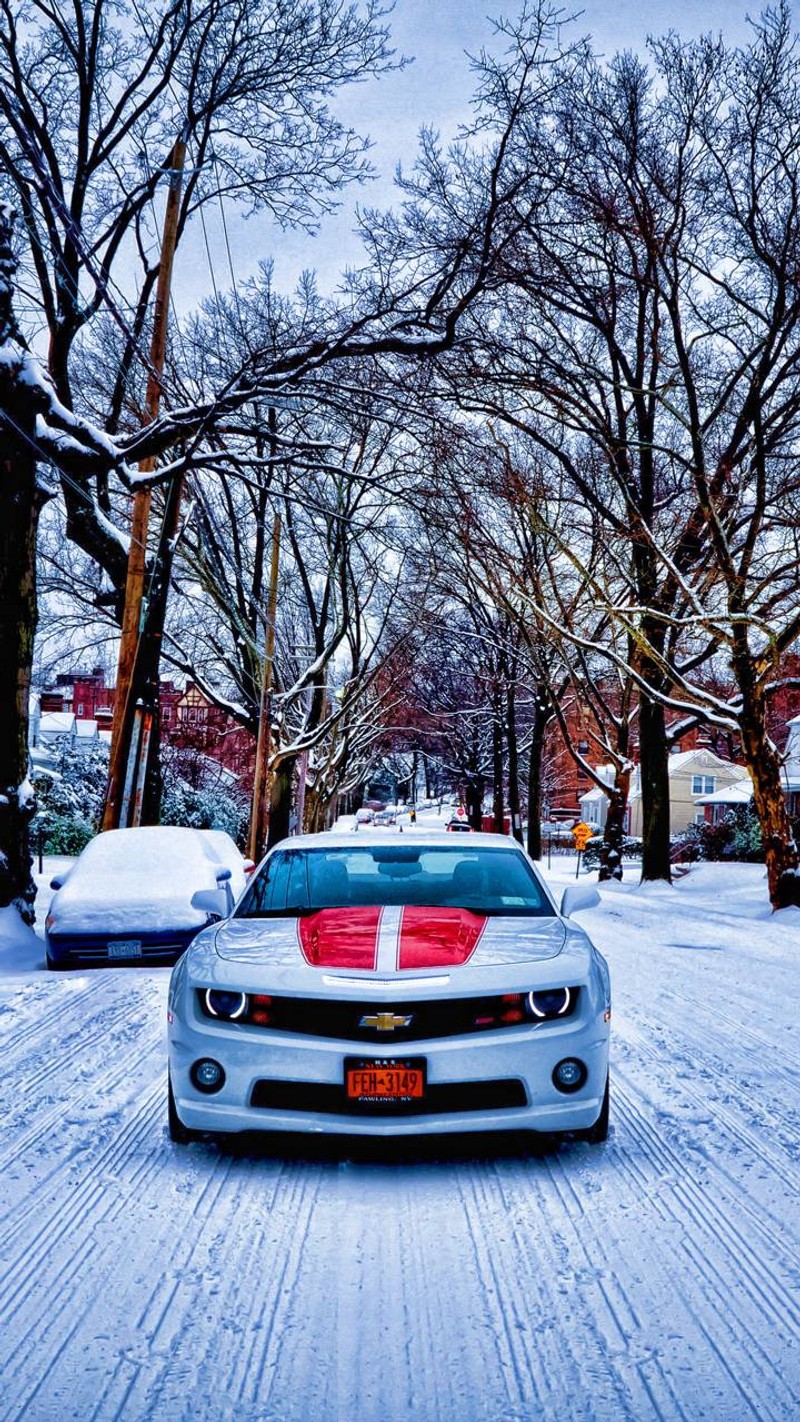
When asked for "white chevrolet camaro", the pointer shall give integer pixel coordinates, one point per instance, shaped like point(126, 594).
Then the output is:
point(375, 984)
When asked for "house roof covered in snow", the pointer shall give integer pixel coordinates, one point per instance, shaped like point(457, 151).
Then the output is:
point(739, 793)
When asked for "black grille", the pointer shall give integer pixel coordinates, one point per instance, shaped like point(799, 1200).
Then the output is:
point(444, 1097)
point(341, 1021)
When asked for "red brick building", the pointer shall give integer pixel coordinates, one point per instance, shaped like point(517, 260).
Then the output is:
point(189, 720)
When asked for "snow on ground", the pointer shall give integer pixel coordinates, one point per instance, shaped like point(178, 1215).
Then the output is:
point(655, 1277)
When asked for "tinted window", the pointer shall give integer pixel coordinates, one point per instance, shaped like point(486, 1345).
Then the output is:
point(495, 881)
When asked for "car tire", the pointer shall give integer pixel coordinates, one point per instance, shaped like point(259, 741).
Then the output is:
point(598, 1133)
point(180, 1134)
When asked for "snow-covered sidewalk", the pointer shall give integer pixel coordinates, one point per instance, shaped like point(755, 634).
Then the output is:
point(653, 1278)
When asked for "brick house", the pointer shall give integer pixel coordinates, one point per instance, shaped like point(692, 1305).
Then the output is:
point(189, 720)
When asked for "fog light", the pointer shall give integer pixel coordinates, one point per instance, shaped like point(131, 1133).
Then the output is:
point(569, 1075)
point(207, 1076)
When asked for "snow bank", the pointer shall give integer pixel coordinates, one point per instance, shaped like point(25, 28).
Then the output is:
point(21, 950)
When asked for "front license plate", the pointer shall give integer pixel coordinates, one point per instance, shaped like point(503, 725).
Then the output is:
point(391, 1079)
point(126, 948)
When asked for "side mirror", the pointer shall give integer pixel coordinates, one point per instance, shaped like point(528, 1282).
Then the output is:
point(577, 897)
point(224, 877)
point(214, 902)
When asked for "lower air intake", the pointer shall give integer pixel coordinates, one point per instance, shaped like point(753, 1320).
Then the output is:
point(445, 1097)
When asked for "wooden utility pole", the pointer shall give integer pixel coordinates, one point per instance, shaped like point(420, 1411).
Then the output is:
point(125, 745)
point(259, 816)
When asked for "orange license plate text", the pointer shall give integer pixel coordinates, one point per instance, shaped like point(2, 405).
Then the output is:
point(383, 1083)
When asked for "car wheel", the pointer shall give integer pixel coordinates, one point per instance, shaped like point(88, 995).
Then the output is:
point(178, 1133)
point(598, 1133)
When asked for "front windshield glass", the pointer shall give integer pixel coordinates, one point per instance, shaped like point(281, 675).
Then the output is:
point(485, 881)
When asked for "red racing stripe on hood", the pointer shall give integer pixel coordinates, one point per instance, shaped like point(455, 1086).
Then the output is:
point(438, 937)
point(341, 937)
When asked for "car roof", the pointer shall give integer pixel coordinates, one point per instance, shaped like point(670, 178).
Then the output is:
point(423, 839)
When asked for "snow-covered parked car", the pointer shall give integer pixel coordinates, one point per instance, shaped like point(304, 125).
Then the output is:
point(128, 896)
point(381, 986)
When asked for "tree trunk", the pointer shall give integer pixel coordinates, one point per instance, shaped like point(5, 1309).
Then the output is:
point(763, 762)
point(474, 791)
point(21, 507)
point(280, 810)
point(513, 763)
point(654, 763)
point(611, 851)
point(541, 716)
point(497, 761)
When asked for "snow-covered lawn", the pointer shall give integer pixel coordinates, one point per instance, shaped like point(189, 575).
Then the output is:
point(657, 1277)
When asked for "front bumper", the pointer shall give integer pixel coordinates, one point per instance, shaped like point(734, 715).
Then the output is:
point(526, 1055)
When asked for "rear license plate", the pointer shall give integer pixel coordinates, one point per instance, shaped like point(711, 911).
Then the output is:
point(389, 1079)
point(126, 948)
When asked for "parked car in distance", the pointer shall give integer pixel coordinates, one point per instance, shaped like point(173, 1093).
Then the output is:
point(381, 985)
point(128, 896)
point(459, 826)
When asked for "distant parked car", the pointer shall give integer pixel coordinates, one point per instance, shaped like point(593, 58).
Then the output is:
point(459, 826)
point(364, 816)
point(127, 897)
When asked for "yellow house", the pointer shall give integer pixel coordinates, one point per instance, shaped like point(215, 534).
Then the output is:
point(692, 775)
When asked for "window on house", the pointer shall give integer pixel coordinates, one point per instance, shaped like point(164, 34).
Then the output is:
point(79, 711)
point(703, 784)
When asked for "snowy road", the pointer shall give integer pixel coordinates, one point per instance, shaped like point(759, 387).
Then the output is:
point(655, 1277)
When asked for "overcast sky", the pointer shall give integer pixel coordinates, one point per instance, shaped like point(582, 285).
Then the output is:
point(434, 90)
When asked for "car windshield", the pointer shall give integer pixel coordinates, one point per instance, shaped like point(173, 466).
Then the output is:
point(485, 881)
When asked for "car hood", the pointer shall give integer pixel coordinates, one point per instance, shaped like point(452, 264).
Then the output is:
point(129, 905)
point(390, 940)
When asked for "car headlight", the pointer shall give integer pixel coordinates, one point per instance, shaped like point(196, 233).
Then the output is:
point(229, 1006)
point(551, 1002)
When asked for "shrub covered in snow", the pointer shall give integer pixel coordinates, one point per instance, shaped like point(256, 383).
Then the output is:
point(736, 837)
point(631, 849)
point(196, 793)
point(70, 796)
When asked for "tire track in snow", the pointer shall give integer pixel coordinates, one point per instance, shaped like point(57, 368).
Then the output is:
point(586, 1319)
point(24, 1035)
point(733, 1271)
point(735, 1124)
point(73, 1214)
point(227, 1311)
point(83, 1277)
point(72, 1101)
point(787, 1068)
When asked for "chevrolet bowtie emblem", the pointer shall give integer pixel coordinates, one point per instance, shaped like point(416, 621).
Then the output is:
point(384, 1021)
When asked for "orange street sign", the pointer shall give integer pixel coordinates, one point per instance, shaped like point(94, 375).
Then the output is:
point(582, 833)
